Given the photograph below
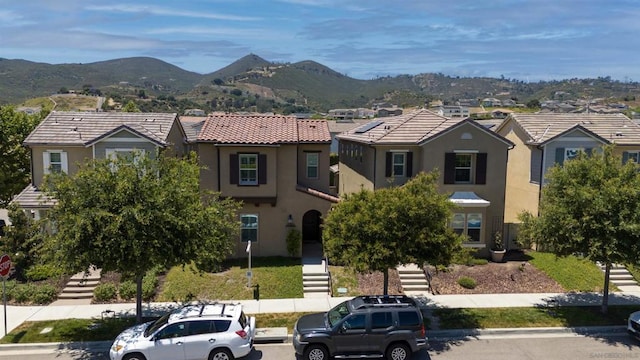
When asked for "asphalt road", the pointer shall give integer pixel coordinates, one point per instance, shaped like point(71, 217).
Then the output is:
point(567, 346)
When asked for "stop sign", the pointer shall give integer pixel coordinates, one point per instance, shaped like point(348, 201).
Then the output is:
point(5, 265)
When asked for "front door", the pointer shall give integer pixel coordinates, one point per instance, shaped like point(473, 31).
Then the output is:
point(311, 222)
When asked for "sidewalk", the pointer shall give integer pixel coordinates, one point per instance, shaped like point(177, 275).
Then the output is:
point(16, 315)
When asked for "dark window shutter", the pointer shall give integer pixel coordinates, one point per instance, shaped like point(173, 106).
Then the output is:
point(481, 168)
point(409, 164)
point(262, 169)
point(560, 156)
point(625, 157)
point(449, 168)
point(388, 166)
point(234, 168)
point(588, 151)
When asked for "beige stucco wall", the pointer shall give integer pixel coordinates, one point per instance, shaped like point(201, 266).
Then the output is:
point(320, 183)
point(76, 155)
point(355, 172)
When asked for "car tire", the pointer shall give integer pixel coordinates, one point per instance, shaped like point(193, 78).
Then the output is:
point(316, 352)
point(134, 357)
point(220, 354)
point(398, 351)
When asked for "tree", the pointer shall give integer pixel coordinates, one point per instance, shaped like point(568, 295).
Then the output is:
point(376, 230)
point(15, 160)
point(22, 239)
point(590, 206)
point(131, 215)
point(131, 107)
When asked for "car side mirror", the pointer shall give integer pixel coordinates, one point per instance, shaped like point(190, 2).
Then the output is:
point(343, 328)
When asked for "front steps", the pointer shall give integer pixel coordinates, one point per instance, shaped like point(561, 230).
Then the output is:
point(81, 285)
point(412, 279)
point(315, 280)
point(621, 278)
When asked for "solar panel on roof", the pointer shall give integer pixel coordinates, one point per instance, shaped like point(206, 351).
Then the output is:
point(368, 127)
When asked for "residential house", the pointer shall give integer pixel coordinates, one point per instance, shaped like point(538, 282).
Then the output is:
point(392, 111)
point(545, 139)
point(470, 158)
point(491, 102)
point(64, 140)
point(453, 111)
point(278, 167)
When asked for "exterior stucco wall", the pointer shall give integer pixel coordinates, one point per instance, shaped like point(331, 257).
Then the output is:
point(322, 181)
point(76, 155)
point(356, 168)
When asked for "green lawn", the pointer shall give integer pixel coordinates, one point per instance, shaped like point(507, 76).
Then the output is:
point(278, 277)
point(571, 272)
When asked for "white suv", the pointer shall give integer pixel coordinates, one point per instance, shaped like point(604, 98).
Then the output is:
point(213, 331)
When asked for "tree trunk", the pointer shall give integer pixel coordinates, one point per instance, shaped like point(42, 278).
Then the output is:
point(139, 299)
point(605, 298)
point(385, 281)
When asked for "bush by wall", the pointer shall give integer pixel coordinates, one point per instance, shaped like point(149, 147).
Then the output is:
point(127, 290)
point(105, 292)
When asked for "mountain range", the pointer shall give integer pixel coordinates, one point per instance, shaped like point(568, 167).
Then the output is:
point(307, 84)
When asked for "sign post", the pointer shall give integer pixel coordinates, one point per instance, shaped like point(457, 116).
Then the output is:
point(5, 270)
point(249, 274)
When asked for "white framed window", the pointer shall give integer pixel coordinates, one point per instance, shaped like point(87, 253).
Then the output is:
point(398, 162)
point(468, 224)
point(55, 161)
point(125, 153)
point(312, 165)
point(463, 168)
point(249, 228)
point(248, 169)
point(570, 153)
point(635, 156)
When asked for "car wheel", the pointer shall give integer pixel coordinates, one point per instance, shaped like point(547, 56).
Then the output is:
point(220, 354)
point(398, 352)
point(316, 352)
point(134, 357)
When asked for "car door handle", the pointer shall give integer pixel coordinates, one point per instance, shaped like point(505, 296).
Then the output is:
point(179, 343)
point(212, 340)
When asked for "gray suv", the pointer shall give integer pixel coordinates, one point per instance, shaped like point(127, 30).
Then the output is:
point(363, 327)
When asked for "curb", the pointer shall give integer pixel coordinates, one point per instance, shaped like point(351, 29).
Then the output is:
point(433, 335)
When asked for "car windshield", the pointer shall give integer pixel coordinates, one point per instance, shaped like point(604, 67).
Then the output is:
point(338, 313)
point(156, 325)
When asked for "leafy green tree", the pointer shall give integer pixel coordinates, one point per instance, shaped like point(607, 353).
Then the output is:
point(132, 215)
point(377, 230)
point(131, 107)
point(22, 239)
point(15, 159)
point(590, 206)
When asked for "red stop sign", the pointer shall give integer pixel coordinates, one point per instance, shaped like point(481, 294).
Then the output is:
point(5, 265)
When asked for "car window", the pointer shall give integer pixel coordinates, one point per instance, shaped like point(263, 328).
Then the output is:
point(221, 325)
point(338, 313)
point(200, 327)
point(173, 331)
point(355, 322)
point(381, 320)
point(243, 320)
point(408, 318)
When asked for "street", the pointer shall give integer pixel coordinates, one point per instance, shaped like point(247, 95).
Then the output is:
point(568, 346)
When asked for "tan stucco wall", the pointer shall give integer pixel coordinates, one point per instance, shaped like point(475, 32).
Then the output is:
point(355, 172)
point(75, 155)
point(322, 181)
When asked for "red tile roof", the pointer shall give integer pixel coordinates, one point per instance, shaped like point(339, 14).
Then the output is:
point(263, 129)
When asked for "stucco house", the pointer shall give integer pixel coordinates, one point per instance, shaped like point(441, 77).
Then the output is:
point(278, 166)
point(470, 158)
point(64, 140)
point(545, 139)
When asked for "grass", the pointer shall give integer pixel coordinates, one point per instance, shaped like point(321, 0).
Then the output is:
point(341, 277)
point(278, 278)
point(571, 272)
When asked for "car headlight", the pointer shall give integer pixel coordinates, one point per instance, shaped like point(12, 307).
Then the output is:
point(117, 347)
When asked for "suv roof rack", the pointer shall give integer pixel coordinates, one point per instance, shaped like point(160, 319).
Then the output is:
point(382, 301)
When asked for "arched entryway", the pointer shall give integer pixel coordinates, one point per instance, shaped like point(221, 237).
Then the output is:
point(311, 233)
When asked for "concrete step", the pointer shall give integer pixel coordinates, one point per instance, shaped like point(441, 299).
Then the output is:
point(414, 282)
point(406, 288)
point(624, 282)
point(78, 289)
point(411, 276)
point(307, 284)
point(620, 277)
point(75, 295)
point(92, 283)
point(317, 289)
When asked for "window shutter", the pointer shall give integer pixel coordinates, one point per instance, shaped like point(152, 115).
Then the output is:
point(234, 169)
point(560, 156)
point(449, 168)
point(388, 166)
point(625, 157)
point(409, 164)
point(64, 162)
point(481, 168)
point(45, 161)
point(262, 169)
point(588, 151)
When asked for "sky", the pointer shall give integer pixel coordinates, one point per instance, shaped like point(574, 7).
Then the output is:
point(364, 39)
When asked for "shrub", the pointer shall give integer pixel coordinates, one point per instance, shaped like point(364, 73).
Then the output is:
point(467, 282)
point(149, 284)
point(44, 294)
point(42, 272)
point(23, 293)
point(104, 292)
point(294, 238)
point(127, 290)
point(480, 261)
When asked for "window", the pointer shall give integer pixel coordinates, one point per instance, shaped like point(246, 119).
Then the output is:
point(381, 320)
point(564, 154)
point(249, 228)
point(570, 153)
point(248, 169)
point(128, 155)
point(55, 161)
point(201, 327)
point(312, 165)
point(173, 331)
point(398, 164)
point(463, 168)
point(355, 322)
point(631, 156)
point(467, 224)
point(408, 318)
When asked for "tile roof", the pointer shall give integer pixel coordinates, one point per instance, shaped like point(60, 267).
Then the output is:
point(263, 130)
point(85, 128)
point(612, 128)
point(410, 128)
point(192, 126)
point(31, 197)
